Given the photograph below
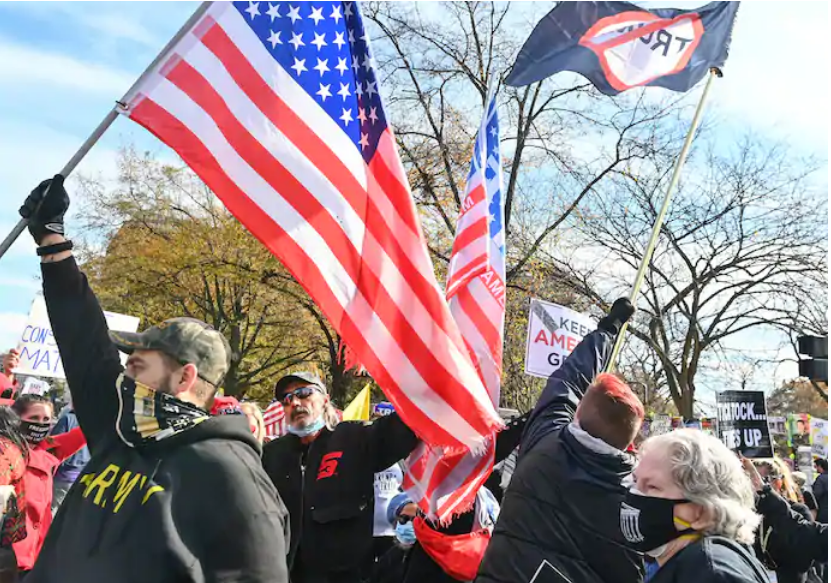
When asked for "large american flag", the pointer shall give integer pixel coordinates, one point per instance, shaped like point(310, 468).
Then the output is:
point(276, 106)
point(476, 292)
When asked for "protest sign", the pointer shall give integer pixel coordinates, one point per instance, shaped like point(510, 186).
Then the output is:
point(553, 332)
point(33, 386)
point(660, 425)
point(39, 354)
point(743, 423)
point(776, 425)
point(799, 430)
point(805, 462)
point(819, 437)
point(708, 425)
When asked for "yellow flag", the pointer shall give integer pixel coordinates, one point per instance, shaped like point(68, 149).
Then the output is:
point(358, 409)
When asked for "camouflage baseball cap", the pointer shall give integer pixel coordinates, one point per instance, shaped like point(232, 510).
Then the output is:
point(188, 341)
point(299, 377)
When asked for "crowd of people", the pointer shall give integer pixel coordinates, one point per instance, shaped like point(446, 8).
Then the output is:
point(152, 477)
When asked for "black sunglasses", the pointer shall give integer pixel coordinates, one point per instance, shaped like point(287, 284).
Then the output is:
point(301, 393)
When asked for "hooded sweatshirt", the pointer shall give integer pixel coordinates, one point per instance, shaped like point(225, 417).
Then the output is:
point(194, 506)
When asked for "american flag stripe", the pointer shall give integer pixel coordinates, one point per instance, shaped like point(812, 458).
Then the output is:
point(192, 149)
point(338, 215)
point(274, 420)
point(199, 92)
point(476, 292)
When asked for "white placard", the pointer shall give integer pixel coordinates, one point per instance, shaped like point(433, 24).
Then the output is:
point(819, 437)
point(553, 332)
point(33, 386)
point(39, 354)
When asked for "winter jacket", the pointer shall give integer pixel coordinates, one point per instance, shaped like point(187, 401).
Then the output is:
point(8, 388)
point(561, 511)
point(12, 472)
point(72, 466)
point(794, 543)
point(193, 507)
point(328, 488)
point(820, 489)
point(44, 458)
point(711, 559)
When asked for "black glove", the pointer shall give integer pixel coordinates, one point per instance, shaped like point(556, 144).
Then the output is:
point(621, 311)
point(45, 208)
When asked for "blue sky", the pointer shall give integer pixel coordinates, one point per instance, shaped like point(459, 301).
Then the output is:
point(63, 64)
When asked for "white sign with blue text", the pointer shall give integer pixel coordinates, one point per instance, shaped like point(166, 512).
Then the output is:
point(39, 354)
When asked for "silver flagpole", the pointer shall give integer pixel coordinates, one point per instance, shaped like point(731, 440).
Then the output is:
point(109, 119)
point(659, 221)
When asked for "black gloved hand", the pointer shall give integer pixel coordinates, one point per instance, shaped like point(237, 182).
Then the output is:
point(621, 311)
point(45, 208)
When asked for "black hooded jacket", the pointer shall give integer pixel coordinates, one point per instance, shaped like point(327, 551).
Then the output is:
point(193, 507)
point(559, 520)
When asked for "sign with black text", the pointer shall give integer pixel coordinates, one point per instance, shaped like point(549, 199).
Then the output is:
point(743, 423)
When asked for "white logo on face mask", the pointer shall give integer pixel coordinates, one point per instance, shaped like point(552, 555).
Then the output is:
point(629, 518)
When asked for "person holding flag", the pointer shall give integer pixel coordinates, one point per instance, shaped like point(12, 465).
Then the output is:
point(170, 493)
point(560, 515)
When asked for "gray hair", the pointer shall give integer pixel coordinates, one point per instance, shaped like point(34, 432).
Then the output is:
point(711, 475)
point(330, 416)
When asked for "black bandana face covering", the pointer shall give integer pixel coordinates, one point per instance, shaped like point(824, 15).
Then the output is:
point(146, 415)
point(34, 432)
point(648, 522)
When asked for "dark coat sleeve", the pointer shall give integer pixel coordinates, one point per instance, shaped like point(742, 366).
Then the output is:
point(564, 389)
point(796, 541)
point(90, 359)
point(509, 438)
point(390, 441)
point(820, 489)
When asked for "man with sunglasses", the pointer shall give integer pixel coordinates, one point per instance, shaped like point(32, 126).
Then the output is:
point(170, 494)
point(325, 473)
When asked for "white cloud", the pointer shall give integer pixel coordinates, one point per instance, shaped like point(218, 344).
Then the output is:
point(21, 65)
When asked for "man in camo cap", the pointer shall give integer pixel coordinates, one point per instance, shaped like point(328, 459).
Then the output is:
point(170, 494)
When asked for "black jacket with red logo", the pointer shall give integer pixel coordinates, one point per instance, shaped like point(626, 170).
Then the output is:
point(328, 487)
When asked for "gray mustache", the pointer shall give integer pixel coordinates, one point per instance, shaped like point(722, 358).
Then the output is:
point(298, 411)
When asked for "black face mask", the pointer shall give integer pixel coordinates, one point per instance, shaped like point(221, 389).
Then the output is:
point(648, 522)
point(34, 432)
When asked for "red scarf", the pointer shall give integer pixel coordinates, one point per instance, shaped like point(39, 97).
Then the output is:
point(458, 555)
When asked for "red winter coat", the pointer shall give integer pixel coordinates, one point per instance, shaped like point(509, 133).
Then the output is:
point(44, 459)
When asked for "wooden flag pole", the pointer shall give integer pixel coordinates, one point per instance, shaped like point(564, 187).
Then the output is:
point(659, 221)
point(109, 119)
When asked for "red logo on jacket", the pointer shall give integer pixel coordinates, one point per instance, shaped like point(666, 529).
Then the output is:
point(329, 465)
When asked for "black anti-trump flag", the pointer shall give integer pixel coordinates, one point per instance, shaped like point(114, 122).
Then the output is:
point(743, 423)
point(617, 45)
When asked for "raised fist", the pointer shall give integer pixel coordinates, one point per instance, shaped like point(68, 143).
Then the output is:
point(45, 208)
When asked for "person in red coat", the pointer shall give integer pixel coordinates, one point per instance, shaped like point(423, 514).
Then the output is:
point(8, 384)
point(13, 450)
point(46, 453)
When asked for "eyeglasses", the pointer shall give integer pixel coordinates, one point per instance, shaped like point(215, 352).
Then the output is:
point(301, 393)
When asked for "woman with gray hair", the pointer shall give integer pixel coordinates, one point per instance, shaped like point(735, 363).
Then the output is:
point(691, 511)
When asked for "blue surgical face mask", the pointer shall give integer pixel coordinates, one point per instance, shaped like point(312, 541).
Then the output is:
point(309, 429)
point(405, 533)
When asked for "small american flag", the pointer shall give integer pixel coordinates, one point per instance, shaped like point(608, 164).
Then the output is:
point(276, 106)
point(476, 291)
point(274, 419)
